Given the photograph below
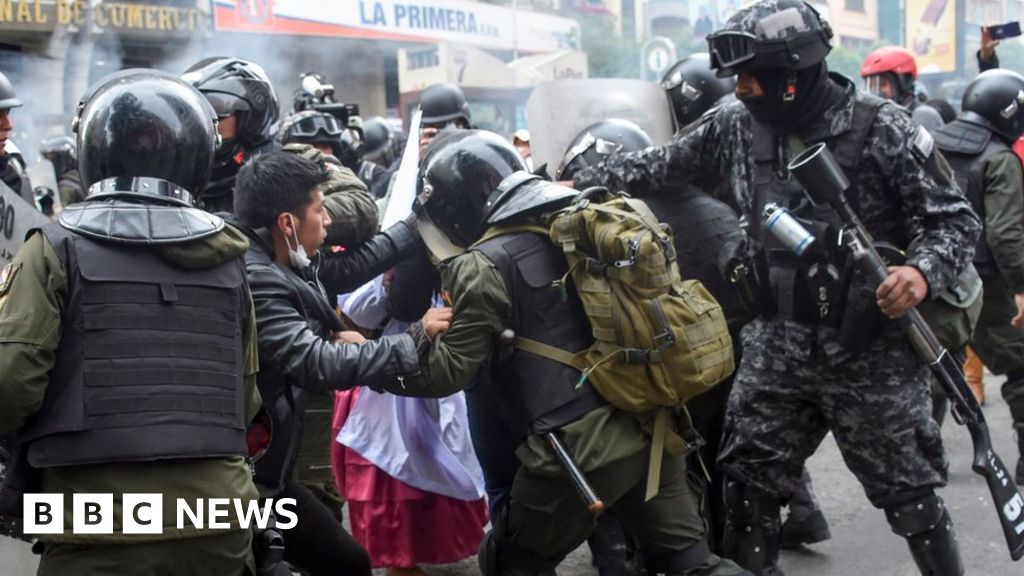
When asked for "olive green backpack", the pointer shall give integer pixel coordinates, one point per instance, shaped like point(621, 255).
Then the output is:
point(659, 340)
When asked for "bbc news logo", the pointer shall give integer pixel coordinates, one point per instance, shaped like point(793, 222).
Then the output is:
point(144, 513)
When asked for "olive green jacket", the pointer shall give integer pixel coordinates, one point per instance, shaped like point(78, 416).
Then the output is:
point(482, 309)
point(1004, 216)
point(32, 299)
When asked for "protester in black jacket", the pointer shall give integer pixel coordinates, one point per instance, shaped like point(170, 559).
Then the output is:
point(302, 345)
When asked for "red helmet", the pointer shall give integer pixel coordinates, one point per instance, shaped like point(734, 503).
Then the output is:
point(893, 59)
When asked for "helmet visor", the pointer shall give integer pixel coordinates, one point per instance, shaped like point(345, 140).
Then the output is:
point(730, 48)
point(879, 85)
point(225, 104)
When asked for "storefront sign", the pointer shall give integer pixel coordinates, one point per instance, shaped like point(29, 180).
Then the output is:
point(106, 15)
point(931, 34)
point(473, 23)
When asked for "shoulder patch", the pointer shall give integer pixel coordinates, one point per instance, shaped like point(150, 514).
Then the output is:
point(6, 279)
point(922, 144)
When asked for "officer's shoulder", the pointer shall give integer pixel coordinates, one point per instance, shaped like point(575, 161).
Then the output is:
point(472, 259)
point(888, 114)
point(725, 111)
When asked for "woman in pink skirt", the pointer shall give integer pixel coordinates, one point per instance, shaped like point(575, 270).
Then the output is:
point(406, 466)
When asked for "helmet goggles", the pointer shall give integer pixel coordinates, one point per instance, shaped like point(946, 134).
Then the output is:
point(316, 125)
point(733, 51)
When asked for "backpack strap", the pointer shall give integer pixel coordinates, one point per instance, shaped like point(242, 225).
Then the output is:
point(550, 352)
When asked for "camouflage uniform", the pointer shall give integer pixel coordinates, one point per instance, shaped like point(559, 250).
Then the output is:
point(794, 382)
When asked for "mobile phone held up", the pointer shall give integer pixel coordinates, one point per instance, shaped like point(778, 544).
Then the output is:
point(1003, 31)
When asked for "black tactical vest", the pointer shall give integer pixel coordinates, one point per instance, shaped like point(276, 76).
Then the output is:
point(543, 394)
point(812, 288)
point(149, 365)
point(702, 227)
point(967, 147)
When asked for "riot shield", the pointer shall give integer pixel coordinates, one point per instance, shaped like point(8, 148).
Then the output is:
point(17, 217)
point(557, 111)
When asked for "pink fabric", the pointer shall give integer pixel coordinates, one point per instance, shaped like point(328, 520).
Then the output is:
point(399, 525)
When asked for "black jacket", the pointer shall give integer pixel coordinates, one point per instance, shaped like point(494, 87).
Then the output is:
point(295, 320)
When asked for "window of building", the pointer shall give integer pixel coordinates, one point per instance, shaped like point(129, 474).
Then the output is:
point(424, 59)
point(853, 43)
point(854, 5)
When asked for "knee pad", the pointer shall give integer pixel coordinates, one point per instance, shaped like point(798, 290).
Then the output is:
point(917, 516)
point(746, 505)
point(752, 527)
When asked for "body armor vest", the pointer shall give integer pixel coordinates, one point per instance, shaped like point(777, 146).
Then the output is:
point(543, 394)
point(812, 288)
point(149, 365)
point(702, 226)
point(967, 147)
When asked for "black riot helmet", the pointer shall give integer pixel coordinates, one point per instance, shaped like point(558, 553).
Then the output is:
point(598, 141)
point(312, 127)
point(145, 123)
point(240, 88)
point(60, 151)
point(995, 99)
point(7, 96)
point(443, 103)
point(770, 34)
point(459, 172)
point(378, 140)
point(693, 88)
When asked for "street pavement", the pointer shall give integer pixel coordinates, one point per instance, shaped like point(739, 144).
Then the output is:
point(861, 544)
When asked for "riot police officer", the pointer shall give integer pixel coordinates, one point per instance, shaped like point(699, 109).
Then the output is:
point(702, 223)
point(128, 339)
point(247, 108)
point(444, 106)
point(471, 181)
point(978, 146)
point(12, 166)
point(803, 374)
point(693, 88)
point(380, 142)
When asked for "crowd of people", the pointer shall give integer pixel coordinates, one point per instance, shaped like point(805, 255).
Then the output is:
point(235, 304)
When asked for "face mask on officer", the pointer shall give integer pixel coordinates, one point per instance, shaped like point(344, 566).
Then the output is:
point(782, 98)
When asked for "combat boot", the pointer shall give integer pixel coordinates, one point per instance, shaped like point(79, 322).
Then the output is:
point(806, 523)
point(810, 529)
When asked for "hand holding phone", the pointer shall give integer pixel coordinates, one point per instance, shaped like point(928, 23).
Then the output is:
point(1003, 31)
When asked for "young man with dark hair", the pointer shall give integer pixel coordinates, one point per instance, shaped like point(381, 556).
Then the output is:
point(303, 349)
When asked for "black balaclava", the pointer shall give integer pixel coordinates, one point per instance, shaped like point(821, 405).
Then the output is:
point(814, 93)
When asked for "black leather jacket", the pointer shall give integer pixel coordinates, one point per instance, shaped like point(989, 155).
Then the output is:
point(295, 320)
